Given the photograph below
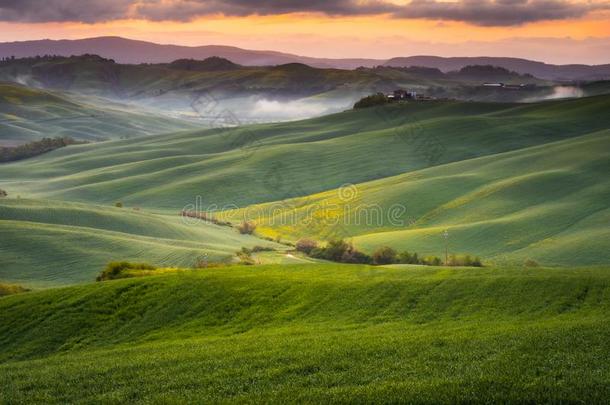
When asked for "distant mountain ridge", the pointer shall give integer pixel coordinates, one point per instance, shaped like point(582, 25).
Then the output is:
point(130, 51)
point(523, 66)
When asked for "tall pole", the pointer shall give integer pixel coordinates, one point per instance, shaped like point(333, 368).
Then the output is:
point(446, 236)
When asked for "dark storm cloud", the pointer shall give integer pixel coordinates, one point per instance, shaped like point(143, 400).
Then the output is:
point(186, 9)
point(479, 12)
point(63, 10)
point(498, 12)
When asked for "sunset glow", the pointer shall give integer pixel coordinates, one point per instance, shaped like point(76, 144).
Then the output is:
point(584, 38)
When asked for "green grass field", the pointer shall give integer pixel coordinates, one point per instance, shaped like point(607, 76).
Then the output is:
point(312, 333)
point(548, 203)
point(49, 243)
point(511, 182)
point(271, 162)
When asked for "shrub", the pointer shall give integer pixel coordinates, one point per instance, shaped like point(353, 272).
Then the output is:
point(415, 259)
point(371, 101)
point(464, 260)
point(204, 217)
point(3, 193)
point(9, 289)
point(317, 253)
point(258, 248)
point(531, 263)
point(306, 245)
point(201, 262)
point(118, 204)
point(356, 257)
point(408, 258)
point(336, 249)
point(245, 256)
point(117, 270)
point(432, 261)
point(384, 255)
point(247, 228)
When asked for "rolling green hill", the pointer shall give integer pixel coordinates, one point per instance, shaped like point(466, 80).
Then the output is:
point(271, 162)
point(548, 203)
point(28, 114)
point(46, 243)
point(510, 181)
point(325, 333)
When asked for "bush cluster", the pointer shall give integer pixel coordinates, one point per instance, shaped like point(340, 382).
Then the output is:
point(9, 289)
point(204, 217)
point(117, 270)
point(339, 251)
point(344, 252)
point(464, 260)
point(306, 245)
point(247, 228)
point(257, 248)
point(245, 257)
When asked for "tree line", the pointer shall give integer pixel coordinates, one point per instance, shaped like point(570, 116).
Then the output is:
point(34, 148)
point(344, 252)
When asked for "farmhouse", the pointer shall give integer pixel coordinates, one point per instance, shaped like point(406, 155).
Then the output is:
point(402, 95)
point(505, 86)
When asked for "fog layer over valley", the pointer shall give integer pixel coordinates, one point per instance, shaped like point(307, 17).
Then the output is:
point(204, 90)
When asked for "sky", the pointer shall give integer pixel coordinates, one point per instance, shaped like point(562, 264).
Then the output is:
point(555, 31)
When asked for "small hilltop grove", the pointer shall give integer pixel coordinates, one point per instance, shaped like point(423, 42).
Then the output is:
point(35, 148)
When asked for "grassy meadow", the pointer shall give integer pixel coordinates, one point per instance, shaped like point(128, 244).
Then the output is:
point(510, 182)
point(272, 162)
point(546, 202)
point(311, 333)
point(52, 243)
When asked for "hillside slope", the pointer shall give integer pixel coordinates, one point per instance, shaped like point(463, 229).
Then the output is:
point(28, 114)
point(548, 203)
point(46, 243)
point(273, 162)
point(325, 333)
